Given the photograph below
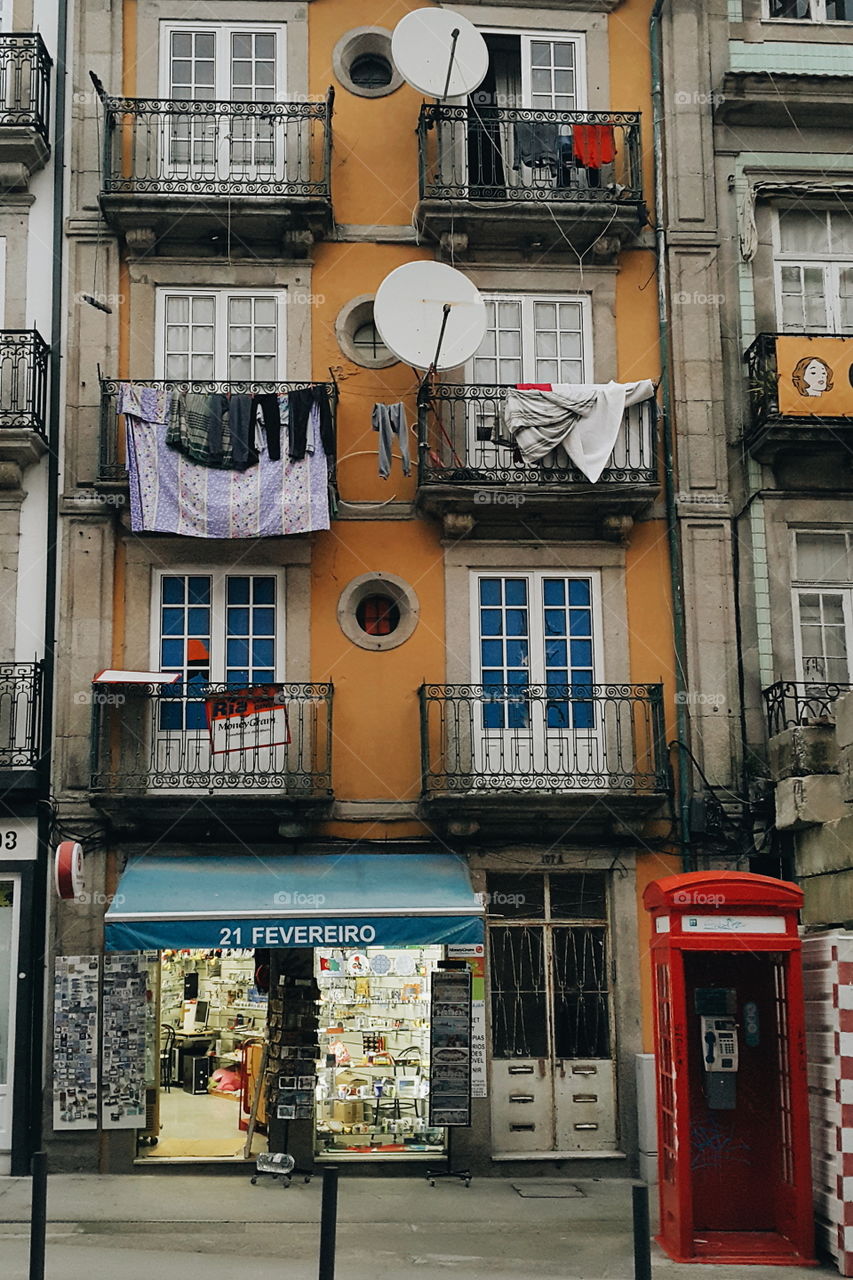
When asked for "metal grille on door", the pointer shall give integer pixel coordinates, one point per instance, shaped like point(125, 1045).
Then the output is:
point(552, 1061)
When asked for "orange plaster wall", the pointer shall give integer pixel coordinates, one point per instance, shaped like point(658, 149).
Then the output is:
point(341, 273)
point(631, 74)
point(376, 725)
point(374, 183)
point(375, 156)
point(650, 866)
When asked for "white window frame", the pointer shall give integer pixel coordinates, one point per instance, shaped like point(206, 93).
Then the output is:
point(818, 14)
point(222, 31)
point(221, 294)
point(218, 636)
point(803, 586)
point(535, 578)
point(7, 1089)
point(526, 35)
point(831, 265)
point(528, 338)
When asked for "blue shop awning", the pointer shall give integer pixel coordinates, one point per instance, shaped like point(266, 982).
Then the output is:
point(351, 900)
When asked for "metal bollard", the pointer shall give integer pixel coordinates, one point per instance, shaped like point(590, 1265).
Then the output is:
point(38, 1216)
point(642, 1235)
point(328, 1223)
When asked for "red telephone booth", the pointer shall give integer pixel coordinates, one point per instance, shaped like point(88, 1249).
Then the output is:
point(733, 1121)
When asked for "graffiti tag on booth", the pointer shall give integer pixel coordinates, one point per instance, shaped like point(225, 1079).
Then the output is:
point(247, 719)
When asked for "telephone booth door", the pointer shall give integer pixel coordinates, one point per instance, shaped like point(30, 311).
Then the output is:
point(735, 1183)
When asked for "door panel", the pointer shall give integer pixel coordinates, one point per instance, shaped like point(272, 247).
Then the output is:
point(522, 1089)
point(553, 1076)
point(9, 923)
point(584, 1105)
point(537, 631)
point(522, 1106)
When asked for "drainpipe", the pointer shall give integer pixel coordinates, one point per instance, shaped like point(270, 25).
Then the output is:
point(45, 817)
point(673, 532)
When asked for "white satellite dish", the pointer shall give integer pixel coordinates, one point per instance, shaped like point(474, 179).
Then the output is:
point(429, 315)
point(439, 52)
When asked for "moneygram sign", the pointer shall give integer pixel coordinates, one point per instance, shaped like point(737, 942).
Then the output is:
point(246, 720)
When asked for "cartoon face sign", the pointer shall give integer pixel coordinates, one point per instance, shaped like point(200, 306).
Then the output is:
point(812, 376)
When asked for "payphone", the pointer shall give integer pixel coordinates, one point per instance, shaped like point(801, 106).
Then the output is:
point(718, 1036)
point(732, 1089)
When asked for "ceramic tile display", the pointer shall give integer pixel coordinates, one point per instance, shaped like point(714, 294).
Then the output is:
point(450, 1047)
point(75, 1042)
point(123, 1041)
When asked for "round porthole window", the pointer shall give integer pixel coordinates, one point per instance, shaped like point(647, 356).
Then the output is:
point(371, 71)
point(378, 611)
point(377, 615)
point(358, 336)
point(363, 64)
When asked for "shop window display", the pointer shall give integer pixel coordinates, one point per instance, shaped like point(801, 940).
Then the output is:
point(373, 1080)
point(210, 1031)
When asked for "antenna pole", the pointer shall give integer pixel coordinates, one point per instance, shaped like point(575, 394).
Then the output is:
point(445, 313)
point(454, 36)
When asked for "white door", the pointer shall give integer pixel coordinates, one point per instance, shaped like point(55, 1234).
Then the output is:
point(552, 1067)
point(553, 73)
point(10, 907)
point(504, 151)
point(824, 619)
point(822, 578)
point(216, 631)
point(224, 64)
point(529, 338)
point(537, 652)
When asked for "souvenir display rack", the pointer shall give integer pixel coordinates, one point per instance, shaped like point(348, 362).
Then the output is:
point(373, 1088)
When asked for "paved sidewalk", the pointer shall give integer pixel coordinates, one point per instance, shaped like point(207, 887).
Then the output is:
point(190, 1227)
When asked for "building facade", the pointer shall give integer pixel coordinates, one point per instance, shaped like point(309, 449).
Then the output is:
point(475, 654)
point(759, 207)
point(30, 276)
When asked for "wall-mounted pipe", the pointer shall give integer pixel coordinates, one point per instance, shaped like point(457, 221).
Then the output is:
point(673, 531)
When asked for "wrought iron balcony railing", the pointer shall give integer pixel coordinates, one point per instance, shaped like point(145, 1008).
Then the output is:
point(789, 703)
point(187, 148)
point(24, 83)
point(23, 380)
point(111, 466)
point(518, 154)
point(463, 441)
point(154, 739)
point(551, 739)
point(20, 714)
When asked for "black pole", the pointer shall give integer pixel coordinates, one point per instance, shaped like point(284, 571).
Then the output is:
point(328, 1223)
point(642, 1236)
point(38, 1217)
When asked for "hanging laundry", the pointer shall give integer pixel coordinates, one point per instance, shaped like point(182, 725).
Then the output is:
point(300, 404)
point(536, 144)
point(268, 408)
point(241, 424)
point(198, 428)
point(149, 402)
point(169, 493)
point(390, 421)
point(572, 421)
point(594, 144)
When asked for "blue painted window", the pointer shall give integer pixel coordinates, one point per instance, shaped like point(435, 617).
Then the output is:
point(537, 630)
point(214, 631)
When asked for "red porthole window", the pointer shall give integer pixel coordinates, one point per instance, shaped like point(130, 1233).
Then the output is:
point(378, 615)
